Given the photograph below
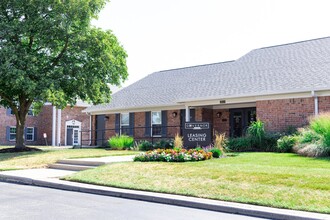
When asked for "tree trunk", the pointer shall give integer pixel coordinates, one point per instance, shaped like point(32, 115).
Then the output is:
point(21, 114)
point(20, 134)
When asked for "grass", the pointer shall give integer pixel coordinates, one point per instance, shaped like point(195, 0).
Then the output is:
point(27, 160)
point(268, 179)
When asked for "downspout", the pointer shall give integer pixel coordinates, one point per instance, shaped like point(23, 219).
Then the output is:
point(54, 127)
point(316, 103)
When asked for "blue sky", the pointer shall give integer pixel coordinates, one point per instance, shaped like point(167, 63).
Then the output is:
point(167, 34)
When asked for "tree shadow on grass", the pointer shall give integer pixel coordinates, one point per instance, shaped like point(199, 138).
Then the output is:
point(6, 154)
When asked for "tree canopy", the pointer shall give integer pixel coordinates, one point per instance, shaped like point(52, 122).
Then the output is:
point(49, 52)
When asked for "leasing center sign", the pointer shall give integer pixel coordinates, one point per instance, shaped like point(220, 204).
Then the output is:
point(197, 134)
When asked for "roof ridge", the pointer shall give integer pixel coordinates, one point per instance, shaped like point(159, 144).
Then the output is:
point(229, 61)
point(297, 42)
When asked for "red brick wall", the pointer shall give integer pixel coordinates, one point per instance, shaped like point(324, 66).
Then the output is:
point(221, 125)
point(324, 104)
point(42, 122)
point(139, 122)
point(110, 126)
point(173, 123)
point(278, 115)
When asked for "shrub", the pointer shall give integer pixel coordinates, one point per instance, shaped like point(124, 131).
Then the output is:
point(122, 142)
point(269, 142)
point(286, 143)
point(240, 144)
point(170, 155)
point(256, 132)
point(321, 125)
point(145, 146)
point(216, 152)
point(163, 144)
point(307, 135)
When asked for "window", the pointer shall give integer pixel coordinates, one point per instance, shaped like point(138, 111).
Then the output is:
point(30, 112)
point(156, 123)
point(29, 134)
point(12, 134)
point(124, 123)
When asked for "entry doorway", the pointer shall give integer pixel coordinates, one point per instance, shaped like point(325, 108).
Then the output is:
point(72, 133)
point(240, 119)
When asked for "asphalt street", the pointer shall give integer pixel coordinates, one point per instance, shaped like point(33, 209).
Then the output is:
point(30, 202)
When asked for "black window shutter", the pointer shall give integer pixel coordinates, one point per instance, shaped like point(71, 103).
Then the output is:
point(192, 115)
point(117, 124)
point(164, 123)
point(131, 124)
point(8, 111)
point(147, 131)
point(35, 134)
point(7, 133)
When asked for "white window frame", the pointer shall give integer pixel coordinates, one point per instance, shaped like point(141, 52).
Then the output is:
point(10, 133)
point(26, 134)
point(160, 113)
point(123, 126)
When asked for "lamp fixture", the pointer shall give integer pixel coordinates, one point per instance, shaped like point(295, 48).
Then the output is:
point(219, 114)
point(174, 114)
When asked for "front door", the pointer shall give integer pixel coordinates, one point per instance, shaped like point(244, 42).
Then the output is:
point(240, 119)
point(75, 137)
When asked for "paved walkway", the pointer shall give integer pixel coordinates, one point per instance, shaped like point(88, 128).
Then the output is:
point(50, 178)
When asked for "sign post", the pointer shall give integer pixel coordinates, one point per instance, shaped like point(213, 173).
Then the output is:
point(197, 134)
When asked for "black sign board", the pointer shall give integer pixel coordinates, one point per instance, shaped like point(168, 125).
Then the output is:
point(196, 134)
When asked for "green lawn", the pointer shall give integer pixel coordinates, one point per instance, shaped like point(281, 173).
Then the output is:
point(26, 160)
point(269, 179)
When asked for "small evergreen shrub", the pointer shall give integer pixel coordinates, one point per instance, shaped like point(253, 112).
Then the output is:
point(216, 153)
point(145, 146)
point(122, 142)
point(285, 144)
point(164, 144)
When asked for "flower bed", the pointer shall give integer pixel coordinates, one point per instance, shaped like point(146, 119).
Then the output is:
point(171, 155)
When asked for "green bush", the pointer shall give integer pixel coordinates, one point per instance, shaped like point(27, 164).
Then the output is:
point(164, 144)
point(256, 133)
point(285, 144)
point(216, 153)
point(307, 135)
point(321, 125)
point(239, 144)
point(122, 142)
point(145, 146)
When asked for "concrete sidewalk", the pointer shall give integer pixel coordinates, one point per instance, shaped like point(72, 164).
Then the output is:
point(50, 178)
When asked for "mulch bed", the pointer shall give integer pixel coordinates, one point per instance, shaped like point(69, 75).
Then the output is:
point(16, 150)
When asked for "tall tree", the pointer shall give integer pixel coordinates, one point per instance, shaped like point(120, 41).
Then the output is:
point(49, 52)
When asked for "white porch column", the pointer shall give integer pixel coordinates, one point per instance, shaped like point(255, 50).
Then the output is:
point(54, 127)
point(316, 103)
point(187, 114)
point(59, 119)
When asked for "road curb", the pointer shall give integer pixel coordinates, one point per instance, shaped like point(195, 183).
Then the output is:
point(191, 202)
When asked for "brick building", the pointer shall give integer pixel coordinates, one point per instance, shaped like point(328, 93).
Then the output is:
point(281, 85)
point(51, 126)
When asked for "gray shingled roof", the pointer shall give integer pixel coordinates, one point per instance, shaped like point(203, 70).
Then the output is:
point(290, 67)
